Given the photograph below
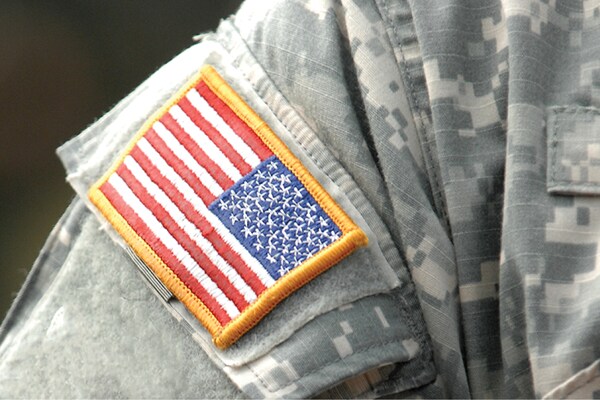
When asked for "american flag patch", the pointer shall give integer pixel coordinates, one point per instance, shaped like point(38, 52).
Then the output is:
point(214, 202)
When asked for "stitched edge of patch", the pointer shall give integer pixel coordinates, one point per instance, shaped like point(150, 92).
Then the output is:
point(223, 336)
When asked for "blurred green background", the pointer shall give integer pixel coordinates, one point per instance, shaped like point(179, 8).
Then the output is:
point(63, 63)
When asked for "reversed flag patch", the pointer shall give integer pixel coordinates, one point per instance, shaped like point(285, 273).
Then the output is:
point(220, 209)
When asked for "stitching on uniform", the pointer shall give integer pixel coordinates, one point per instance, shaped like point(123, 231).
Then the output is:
point(436, 190)
point(571, 184)
point(420, 333)
point(403, 65)
point(576, 110)
point(553, 146)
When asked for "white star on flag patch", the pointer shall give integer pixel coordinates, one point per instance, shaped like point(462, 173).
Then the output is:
point(220, 209)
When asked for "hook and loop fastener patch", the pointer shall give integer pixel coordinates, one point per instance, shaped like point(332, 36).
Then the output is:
point(220, 209)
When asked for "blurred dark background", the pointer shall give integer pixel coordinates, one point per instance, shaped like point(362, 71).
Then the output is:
point(63, 63)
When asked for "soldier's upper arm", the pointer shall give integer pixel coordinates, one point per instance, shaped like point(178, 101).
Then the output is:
point(250, 231)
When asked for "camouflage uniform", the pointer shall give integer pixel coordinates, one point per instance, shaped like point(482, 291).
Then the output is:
point(462, 131)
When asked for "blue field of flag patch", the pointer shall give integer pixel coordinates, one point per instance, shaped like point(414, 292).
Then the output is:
point(274, 217)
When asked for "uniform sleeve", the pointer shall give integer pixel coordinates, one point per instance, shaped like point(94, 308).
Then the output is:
point(353, 329)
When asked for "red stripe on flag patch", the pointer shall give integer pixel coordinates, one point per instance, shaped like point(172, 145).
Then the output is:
point(196, 151)
point(182, 237)
point(178, 165)
point(199, 220)
point(163, 252)
point(215, 136)
point(239, 126)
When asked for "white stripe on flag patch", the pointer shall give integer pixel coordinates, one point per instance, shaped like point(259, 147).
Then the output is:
point(170, 242)
point(205, 143)
point(188, 193)
point(216, 121)
point(181, 152)
point(190, 230)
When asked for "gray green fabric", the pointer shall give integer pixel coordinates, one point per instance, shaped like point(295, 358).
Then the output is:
point(549, 278)
point(464, 134)
point(95, 330)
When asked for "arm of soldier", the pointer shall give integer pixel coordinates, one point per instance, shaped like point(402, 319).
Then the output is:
point(307, 343)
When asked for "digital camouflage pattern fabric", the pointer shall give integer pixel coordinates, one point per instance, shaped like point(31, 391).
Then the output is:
point(464, 133)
